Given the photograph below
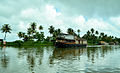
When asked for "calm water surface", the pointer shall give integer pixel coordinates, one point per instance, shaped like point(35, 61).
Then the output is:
point(60, 60)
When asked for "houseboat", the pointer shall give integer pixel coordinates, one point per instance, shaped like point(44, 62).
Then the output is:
point(67, 40)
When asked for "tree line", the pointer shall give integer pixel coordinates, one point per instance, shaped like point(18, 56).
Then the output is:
point(92, 35)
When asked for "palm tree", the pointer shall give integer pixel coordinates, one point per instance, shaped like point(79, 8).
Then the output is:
point(6, 29)
point(96, 37)
point(40, 27)
point(78, 32)
point(21, 35)
point(102, 34)
point(51, 29)
point(29, 31)
point(88, 32)
point(96, 32)
point(92, 36)
point(70, 31)
point(92, 30)
point(33, 28)
point(56, 33)
point(59, 31)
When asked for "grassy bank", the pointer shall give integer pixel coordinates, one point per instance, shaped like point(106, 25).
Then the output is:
point(29, 43)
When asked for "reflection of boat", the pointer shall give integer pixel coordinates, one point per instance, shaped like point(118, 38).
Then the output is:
point(68, 53)
point(67, 40)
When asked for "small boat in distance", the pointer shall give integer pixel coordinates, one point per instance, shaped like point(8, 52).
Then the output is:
point(68, 40)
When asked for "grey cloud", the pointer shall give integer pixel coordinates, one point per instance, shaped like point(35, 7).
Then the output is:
point(89, 8)
point(10, 11)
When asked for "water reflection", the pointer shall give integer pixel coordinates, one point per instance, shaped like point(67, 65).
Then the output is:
point(75, 53)
point(4, 57)
point(57, 60)
point(68, 53)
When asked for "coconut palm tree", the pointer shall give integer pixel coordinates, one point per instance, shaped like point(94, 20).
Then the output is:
point(56, 33)
point(51, 29)
point(40, 27)
point(102, 34)
point(96, 32)
point(70, 31)
point(96, 37)
point(29, 31)
point(88, 32)
point(6, 29)
point(33, 28)
point(21, 35)
point(59, 31)
point(92, 36)
point(92, 30)
point(78, 32)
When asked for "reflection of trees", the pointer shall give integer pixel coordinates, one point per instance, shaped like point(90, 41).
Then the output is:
point(67, 53)
point(93, 53)
point(4, 58)
point(31, 60)
point(90, 53)
point(33, 56)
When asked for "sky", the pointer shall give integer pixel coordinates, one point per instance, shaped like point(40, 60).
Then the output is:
point(102, 15)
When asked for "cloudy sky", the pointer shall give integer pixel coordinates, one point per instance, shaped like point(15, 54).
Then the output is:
point(102, 15)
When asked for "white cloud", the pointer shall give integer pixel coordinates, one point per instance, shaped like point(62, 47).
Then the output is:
point(64, 17)
point(115, 20)
point(96, 23)
point(80, 20)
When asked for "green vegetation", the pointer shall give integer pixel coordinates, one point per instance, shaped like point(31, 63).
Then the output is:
point(28, 43)
point(32, 37)
point(6, 29)
point(94, 37)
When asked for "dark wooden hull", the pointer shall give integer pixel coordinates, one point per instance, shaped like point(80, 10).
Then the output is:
point(59, 44)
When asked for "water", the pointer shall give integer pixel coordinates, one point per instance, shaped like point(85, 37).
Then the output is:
point(60, 60)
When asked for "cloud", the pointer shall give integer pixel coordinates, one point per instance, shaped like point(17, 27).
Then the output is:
point(115, 20)
point(98, 24)
point(101, 15)
point(89, 8)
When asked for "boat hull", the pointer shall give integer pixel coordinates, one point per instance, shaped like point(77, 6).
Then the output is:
point(59, 44)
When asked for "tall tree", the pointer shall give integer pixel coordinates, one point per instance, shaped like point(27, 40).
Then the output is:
point(96, 32)
point(59, 31)
point(92, 30)
point(70, 31)
point(56, 33)
point(102, 34)
point(33, 28)
point(88, 32)
point(78, 32)
point(40, 27)
point(6, 29)
point(29, 31)
point(92, 36)
point(21, 35)
point(51, 29)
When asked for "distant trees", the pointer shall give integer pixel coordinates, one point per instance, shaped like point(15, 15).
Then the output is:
point(78, 32)
point(51, 30)
point(56, 33)
point(32, 33)
point(96, 37)
point(70, 31)
point(40, 27)
point(21, 35)
point(92, 36)
point(6, 29)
